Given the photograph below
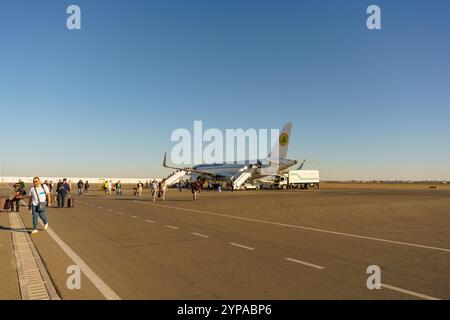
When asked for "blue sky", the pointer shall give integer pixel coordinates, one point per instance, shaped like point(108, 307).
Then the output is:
point(103, 101)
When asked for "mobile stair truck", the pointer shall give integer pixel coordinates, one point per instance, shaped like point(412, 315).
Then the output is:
point(303, 179)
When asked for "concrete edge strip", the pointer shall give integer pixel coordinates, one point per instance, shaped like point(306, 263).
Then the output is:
point(105, 290)
point(34, 280)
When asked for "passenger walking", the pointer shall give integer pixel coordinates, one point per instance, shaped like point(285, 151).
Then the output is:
point(163, 189)
point(195, 188)
point(109, 187)
point(86, 187)
point(19, 193)
point(154, 186)
point(80, 186)
point(59, 185)
point(140, 186)
point(39, 199)
point(63, 190)
point(105, 186)
point(119, 188)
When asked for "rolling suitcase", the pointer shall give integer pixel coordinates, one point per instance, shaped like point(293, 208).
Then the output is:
point(71, 203)
point(8, 205)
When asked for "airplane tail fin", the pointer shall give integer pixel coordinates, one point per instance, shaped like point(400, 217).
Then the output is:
point(280, 149)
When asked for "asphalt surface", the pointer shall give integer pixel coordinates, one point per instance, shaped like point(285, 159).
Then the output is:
point(294, 244)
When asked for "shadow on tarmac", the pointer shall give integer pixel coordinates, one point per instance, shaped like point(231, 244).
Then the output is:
point(25, 230)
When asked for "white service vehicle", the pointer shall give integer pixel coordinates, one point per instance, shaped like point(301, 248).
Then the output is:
point(304, 179)
point(249, 185)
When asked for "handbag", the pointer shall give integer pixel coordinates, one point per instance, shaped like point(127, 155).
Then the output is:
point(41, 205)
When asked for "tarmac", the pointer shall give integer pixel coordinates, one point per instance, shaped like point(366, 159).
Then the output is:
point(295, 244)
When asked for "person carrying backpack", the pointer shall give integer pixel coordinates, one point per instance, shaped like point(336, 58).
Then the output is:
point(80, 186)
point(19, 193)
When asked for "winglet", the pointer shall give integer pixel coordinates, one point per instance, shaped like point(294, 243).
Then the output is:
point(166, 166)
point(301, 165)
point(165, 160)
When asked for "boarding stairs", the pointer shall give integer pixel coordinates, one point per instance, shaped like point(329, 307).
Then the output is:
point(244, 175)
point(175, 177)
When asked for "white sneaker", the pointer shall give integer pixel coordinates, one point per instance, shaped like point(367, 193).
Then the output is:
point(34, 231)
point(46, 226)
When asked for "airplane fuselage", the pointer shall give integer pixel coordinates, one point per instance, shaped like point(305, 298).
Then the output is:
point(263, 168)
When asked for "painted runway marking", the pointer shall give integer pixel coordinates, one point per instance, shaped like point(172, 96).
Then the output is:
point(412, 293)
point(100, 207)
point(134, 217)
point(172, 227)
point(241, 246)
point(150, 221)
point(110, 210)
point(305, 263)
point(200, 235)
point(119, 212)
point(305, 228)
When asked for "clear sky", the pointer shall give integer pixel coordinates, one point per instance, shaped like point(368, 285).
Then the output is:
point(103, 100)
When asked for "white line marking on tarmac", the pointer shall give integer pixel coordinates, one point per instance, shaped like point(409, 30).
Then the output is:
point(100, 207)
point(200, 235)
point(172, 227)
point(119, 212)
point(110, 210)
point(305, 263)
point(150, 221)
point(134, 217)
point(241, 246)
point(304, 228)
point(107, 292)
point(412, 293)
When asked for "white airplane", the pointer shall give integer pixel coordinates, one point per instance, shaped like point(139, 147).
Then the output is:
point(238, 173)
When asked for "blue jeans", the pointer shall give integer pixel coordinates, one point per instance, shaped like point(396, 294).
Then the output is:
point(61, 200)
point(36, 216)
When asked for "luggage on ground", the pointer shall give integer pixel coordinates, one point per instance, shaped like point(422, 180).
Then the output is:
point(8, 205)
point(71, 203)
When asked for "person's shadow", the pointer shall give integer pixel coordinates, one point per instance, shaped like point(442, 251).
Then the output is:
point(2, 228)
